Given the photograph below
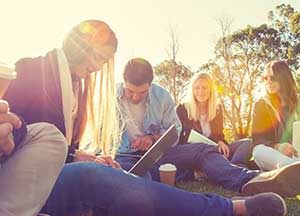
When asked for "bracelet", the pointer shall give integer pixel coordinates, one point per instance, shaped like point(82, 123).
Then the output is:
point(71, 154)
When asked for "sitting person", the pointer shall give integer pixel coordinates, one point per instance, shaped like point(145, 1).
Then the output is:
point(148, 110)
point(94, 183)
point(273, 118)
point(201, 113)
point(31, 158)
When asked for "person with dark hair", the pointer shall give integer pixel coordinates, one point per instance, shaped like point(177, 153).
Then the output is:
point(273, 118)
point(60, 88)
point(148, 111)
point(143, 72)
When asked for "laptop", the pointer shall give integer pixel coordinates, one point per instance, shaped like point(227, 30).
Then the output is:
point(157, 150)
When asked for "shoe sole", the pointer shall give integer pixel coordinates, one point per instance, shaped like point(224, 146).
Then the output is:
point(286, 183)
point(283, 203)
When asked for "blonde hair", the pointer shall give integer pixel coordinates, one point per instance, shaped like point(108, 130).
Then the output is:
point(97, 107)
point(190, 102)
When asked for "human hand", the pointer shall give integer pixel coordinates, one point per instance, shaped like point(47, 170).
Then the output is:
point(8, 117)
point(109, 161)
point(286, 149)
point(84, 156)
point(223, 149)
point(8, 121)
point(142, 143)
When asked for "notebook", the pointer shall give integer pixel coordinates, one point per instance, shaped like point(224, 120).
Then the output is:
point(157, 150)
point(196, 137)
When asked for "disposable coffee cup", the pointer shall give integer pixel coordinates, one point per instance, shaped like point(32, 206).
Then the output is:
point(167, 174)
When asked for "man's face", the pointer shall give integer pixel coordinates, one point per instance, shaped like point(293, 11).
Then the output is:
point(135, 94)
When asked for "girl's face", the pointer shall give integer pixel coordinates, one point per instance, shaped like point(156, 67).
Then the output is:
point(93, 61)
point(272, 85)
point(201, 90)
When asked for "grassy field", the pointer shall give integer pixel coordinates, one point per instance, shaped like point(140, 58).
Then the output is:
point(293, 204)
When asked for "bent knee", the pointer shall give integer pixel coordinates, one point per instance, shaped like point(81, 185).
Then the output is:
point(47, 135)
point(258, 152)
point(247, 141)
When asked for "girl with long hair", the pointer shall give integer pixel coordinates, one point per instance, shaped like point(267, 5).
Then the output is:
point(273, 118)
point(202, 113)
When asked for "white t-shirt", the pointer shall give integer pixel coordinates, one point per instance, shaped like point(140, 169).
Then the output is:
point(135, 114)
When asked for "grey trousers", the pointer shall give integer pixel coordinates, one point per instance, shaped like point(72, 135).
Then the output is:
point(28, 175)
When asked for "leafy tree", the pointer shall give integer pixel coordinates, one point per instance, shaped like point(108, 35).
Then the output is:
point(173, 76)
point(239, 59)
point(286, 20)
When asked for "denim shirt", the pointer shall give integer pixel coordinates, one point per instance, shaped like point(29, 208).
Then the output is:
point(160, 114)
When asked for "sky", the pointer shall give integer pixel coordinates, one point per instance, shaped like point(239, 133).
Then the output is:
point(33, 27)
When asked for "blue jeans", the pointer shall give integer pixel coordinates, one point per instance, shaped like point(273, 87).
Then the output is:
point(204, 157)
point(114, 192)
point(240, 151)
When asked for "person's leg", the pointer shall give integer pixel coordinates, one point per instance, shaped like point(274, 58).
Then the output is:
point(27, 177)
point(268, 158)
point(284, 181)
point(240, 151)
point(206, 158)
point(115, 192)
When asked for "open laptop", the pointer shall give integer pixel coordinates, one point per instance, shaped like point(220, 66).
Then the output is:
point(157, 150)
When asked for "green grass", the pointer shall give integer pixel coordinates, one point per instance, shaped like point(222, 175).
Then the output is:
point(293, 204)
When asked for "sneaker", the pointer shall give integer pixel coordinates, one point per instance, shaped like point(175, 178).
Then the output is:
point(264, 204)
point(284, 181)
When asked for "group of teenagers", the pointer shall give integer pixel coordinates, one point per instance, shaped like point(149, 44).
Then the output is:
point(46, 109)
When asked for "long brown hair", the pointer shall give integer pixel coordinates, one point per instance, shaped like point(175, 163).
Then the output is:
point(283, 75)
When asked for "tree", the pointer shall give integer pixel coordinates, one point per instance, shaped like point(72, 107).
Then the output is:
point(171, 74)
point(287, 21)
point(239, 60)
